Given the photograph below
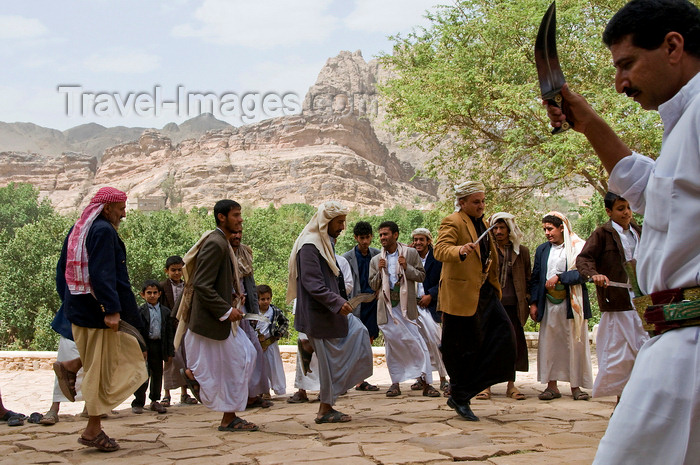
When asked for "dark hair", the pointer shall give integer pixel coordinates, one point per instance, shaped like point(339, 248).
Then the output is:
point(610, 199)
point(223, 207)
point(501, 220)
point(264, 289)
point(551, 219)
point(150, 283)
point(173, 260)
point(362, 228)
point(648, 22)
point(393, 227)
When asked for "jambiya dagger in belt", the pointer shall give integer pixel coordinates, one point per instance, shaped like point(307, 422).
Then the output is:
point(548, 69)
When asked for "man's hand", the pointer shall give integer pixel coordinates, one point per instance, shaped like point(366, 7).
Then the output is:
point(575, 108)
point(112, 321)
point(533, 312)
point(467, 248)
point(551, 282)
point(402, 261)
point(607, 145)
point(600, 280)
point(236, 315)
point(382, 263)
point(346, 309)
point(425, 300)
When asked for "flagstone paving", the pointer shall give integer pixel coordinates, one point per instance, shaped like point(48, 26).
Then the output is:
point(409, 429)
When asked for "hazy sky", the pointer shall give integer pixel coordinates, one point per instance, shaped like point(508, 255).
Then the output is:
point(136, 56)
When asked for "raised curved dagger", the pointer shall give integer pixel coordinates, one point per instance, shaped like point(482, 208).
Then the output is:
point(548, 69)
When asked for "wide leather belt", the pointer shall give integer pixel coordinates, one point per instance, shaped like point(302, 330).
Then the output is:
point(670, 309)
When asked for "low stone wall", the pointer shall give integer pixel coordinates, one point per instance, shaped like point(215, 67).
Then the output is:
point(28, 360)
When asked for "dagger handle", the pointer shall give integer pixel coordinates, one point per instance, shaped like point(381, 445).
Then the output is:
point(557, 100)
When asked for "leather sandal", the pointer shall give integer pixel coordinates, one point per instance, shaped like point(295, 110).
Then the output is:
point(515, 394)
point(66, 381)
point(101, 442)
point(549, 394)
point(298, 398)
point(394, 390)
point(484, 395)
point(578, 394)
point(418, 385)
point(429, 391)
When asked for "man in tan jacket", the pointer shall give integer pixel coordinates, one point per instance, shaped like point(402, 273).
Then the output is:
point(394, 272)
point(478, 345)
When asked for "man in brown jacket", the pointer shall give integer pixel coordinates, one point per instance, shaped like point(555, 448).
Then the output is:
point(220, 357)
point(620, 331)
point(514, 272)
point(478, 346)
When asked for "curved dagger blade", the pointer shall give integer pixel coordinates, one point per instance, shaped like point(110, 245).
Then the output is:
point(548, 69)
point(547, 62)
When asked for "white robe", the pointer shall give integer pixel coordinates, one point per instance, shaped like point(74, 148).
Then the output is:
point(431, 333)
point(222, 369)
point(620, 335)
point(559, 355)
point(274, 368)
point(658, 418)
point(310, 381)
point(407, 355)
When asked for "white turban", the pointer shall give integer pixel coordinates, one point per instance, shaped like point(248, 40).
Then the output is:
point(422, 232)
point(315, 232)
point(465, 189)
point(516, 236)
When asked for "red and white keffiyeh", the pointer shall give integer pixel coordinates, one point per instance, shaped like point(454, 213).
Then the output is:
point(77, 275)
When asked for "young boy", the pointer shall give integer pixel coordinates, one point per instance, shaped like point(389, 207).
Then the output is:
point(620, 331)
point(159, 336)
point(269, 334)
point(172, 290)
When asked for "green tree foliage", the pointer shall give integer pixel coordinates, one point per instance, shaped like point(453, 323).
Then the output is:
point(19, 205)
point(28, 298)
point(467, 85)
point(151, 237)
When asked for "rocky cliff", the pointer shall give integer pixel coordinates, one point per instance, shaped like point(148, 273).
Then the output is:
point(330, 151)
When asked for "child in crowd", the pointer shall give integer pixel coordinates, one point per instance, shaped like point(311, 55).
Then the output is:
point(172, 290)
point(610, 249)
point(269, 334)
point(159, 336)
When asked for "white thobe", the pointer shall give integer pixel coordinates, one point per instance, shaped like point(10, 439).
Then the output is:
point(272, 357)
point(620, 334)
point(407, 355)
point(430, 331)
point(560, 356)
point(222, 369)
point(658, 418)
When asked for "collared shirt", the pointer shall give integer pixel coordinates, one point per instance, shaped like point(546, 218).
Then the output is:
point(666, 192)
point(177, 289)
point(392, 267)
point(629, 239)
point(420, 290)
point(154, 328)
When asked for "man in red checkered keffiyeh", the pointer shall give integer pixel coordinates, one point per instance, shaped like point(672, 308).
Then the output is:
point(97, 297)
point(77, 276)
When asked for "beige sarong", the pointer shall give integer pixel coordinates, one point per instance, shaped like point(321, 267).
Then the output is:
point(113, 367)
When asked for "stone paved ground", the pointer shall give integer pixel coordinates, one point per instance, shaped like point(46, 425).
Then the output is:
point(403, 430)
